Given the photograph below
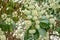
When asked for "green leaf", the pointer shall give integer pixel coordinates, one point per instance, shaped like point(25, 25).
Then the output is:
point(6, 27)
point(44, 24)
point(58, 30)
point(42, 32)
point(14, 25)
point(15, 19)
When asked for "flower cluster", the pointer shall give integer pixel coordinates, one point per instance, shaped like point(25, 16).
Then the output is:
point(14, 14)
point(34, 16)
point(8, 21)
point(2, 36)
point(27, 24)
point(37, 13)
point(32, 31)
point(4, 16)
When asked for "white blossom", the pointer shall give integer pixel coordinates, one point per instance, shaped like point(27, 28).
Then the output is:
point(34, 13)
point(15, 14)
point(37, 26)
point(27, 12)
point(32, 31)
point(47, 16)
point(40, 16)
point(37, 21)
point(8, 21)
point(2, 37)
point(51, 1)
point(4, 16)
point(43, 11)
point(31, 7)
point(35, 18)
point(28, 23)
point(15, 0)
point(51, 37)
point(29, 16)
point(51, 15)
point(52, 20)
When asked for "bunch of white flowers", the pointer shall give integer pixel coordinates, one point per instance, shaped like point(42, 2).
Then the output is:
point(52, 20)
point(27, 23)
point(15, 0)
point(52, 1)
point(2, 36)
point(29, 17)
point(8, 21)
point(31, 7)
point(32, 31)
point(27, 12)
point(19, 32)
point(54, 4)
point(15, 14)
point(4, 16)
point(36, 13)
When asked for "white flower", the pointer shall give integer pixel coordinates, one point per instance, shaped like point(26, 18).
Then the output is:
point(55, 32)
point(52, 1)
point(21, 36)
point(46, 5)
point(3, 37)
point(40, 16)
point(37, 26)
point(34, 13)
point(47, 16)
point(20, 1)
point(29, 16)
point(19, 31)
point(7, 8)
point(1, 32)
point(27, 23)
point(31, 7)
point(4, 16)
point(8, 21)
point(26, 0)
point(43, 11)
point(25, 5)
point(52, 20)
point(14, 14)
point(35, 18)
point(15, 0)
point(18, 36)
point(51, 37)
point(32, 31)
point(27, 12)
point(55, 18)
point(54, 5)
point(37, 7)
point(37, 21)
point(51, 15)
